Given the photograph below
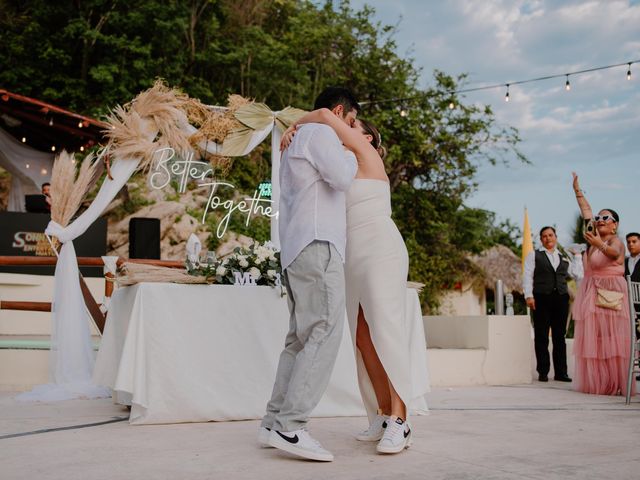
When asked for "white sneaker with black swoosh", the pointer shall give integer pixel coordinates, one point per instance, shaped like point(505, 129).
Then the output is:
point(375, 430)
point(263, 437)
point(300, 443)
point(396, 437)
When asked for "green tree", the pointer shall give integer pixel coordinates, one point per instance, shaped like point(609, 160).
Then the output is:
point(89, 55)
point(578, 229)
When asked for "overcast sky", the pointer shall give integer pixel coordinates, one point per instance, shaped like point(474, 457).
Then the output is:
point(593, 129)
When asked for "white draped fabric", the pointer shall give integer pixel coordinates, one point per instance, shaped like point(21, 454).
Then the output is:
point(71, 357)
point(29, 169)
point(196, 353)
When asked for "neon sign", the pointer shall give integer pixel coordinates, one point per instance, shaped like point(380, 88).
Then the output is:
point(166, 169)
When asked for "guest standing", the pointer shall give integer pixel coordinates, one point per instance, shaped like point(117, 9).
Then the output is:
point(546, 293)
point(601, 310)
point(46, 191)
point(632, 265)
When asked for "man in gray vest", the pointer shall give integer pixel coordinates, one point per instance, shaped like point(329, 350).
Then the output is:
point(545, 290)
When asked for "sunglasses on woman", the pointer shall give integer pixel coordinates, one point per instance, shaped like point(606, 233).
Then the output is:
point(604, 218)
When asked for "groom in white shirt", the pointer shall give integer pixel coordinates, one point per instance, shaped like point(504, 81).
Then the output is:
point(315, 173)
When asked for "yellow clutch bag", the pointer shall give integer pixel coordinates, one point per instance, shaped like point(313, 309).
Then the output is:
point(609, 299)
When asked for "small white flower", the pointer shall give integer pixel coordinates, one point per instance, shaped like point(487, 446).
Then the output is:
point(258, 260)
point(221, 271)
point(271, 273)
point(255, 273)
point(243, 263)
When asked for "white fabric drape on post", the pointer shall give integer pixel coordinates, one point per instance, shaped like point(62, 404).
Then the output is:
point(71, 357)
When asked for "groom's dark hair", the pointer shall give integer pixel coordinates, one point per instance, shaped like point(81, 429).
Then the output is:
point(331, 97)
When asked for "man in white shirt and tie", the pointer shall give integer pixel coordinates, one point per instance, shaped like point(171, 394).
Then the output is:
point(545, 290)
point(632, 264)
point(315, 173)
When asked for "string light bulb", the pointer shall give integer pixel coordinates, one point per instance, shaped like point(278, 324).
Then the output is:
point(53, 148)
point(629, 72)
point(80, 125)
point(403, 112)
point(567, 85)
point(452, 105)
point(43, 171)
point(82, 148)
point(27, 166)
point(506, 96)
point(24, 139)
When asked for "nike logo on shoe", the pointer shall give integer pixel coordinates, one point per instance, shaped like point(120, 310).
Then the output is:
point(384, 424)
point(407, 432)
point(293, 439)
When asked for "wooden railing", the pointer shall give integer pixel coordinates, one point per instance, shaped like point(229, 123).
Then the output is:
point(92, 306)
point(17, 261)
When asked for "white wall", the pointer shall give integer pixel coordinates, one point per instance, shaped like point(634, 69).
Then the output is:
point(479, 350)
point(463, 302)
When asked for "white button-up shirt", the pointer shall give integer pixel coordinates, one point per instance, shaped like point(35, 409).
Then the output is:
point(631, 263)
point(315, 172)
point(576, 269)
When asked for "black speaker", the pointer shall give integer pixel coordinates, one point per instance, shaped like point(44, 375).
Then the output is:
point(144, 238)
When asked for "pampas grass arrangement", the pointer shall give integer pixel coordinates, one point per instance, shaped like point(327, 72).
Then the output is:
point(70, 185)
point(157, 118)
point(154, 119)
point(132, 273)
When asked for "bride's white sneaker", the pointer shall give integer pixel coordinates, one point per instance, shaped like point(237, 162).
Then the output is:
point(375, 430)
point(263, 437)
point(396, 437)
point(300, 443)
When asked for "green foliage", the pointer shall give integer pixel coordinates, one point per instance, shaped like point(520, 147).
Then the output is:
point(578, 230)
point(91, 55)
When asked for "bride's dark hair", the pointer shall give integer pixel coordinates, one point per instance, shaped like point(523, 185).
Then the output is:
point(369, 129)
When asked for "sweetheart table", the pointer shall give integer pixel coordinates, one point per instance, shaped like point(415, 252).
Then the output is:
point(196, 353)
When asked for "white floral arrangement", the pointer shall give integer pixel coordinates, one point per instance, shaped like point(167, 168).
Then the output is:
point(260, 260)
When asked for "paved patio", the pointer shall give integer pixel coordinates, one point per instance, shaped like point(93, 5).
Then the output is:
point(531, 431)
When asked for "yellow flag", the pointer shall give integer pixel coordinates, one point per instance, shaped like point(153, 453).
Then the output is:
point(527, 241)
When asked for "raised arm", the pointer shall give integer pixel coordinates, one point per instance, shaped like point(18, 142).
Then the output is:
point(350, 137)
point(336, 165)
point(585, 208)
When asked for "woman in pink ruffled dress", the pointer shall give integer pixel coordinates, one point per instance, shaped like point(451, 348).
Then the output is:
point(601, 310)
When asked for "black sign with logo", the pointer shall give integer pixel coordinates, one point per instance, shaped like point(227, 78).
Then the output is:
point(22, 234)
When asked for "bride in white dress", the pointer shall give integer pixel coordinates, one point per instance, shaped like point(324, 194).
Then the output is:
point(391, 362)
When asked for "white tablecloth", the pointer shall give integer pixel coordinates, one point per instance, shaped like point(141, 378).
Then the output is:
point(194, 353)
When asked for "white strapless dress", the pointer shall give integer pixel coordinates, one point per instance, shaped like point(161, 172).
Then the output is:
point(376, 272)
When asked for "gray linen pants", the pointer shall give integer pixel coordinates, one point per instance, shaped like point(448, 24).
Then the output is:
point(315, 290)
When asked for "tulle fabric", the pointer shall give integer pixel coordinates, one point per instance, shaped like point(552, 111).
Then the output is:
point(602, 336)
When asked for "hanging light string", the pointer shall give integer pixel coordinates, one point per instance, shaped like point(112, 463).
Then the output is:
point(507, 85)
